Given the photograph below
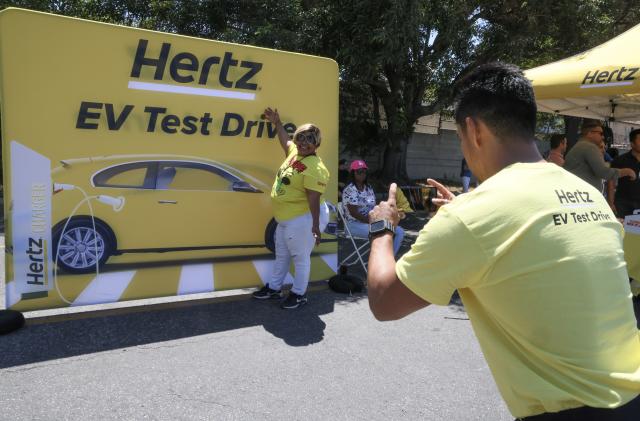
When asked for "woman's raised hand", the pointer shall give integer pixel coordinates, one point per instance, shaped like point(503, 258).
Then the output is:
point(272, 115)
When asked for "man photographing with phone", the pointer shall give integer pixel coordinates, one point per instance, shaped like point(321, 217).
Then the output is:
point(542, 274)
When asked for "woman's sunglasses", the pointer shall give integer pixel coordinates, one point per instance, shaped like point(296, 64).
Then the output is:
point(306, 137)
point(361, 171)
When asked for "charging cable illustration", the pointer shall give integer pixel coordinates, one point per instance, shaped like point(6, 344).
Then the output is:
point(117, 203)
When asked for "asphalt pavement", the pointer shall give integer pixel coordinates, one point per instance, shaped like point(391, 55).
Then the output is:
point(239, 359)
point(224, 356)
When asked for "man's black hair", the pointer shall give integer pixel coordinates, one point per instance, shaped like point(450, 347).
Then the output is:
point(634, 135)
point(502, 97)
point(556, 139)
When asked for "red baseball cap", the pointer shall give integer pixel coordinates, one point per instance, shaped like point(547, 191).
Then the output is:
point(357, 165)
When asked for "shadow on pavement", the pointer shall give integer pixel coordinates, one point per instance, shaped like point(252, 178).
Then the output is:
point(61, 339)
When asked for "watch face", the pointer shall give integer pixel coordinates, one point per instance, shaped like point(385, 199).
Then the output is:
point(376, 226)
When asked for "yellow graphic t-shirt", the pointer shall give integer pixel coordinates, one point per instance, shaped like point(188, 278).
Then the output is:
point(536, 255)
point(402, 203)
point(296, 174)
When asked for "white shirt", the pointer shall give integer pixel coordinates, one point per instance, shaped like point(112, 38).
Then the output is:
point(365, 200)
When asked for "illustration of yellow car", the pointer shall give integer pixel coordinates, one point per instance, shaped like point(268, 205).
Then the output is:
point(165, 204)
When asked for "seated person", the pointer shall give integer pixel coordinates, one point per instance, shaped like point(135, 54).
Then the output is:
point(402, 204)
point(358, 199)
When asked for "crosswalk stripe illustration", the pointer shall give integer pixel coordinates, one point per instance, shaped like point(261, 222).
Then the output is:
point(331, 260)
point(105, 288)
point(111, 287)
point(12, 295)
point(265, 269)
point(196, 278)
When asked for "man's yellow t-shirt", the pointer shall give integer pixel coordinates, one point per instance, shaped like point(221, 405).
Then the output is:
point(536, 255)
point(296, 174)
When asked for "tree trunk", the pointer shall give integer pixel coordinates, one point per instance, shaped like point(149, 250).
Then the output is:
point(395, 159)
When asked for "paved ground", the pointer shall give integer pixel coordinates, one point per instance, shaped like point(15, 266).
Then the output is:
point(226, 357)
point(246, 360)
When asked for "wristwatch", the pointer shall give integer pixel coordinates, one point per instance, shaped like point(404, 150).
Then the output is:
point(379, 227)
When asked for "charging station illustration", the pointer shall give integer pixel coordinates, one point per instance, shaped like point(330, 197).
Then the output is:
point(31, 221)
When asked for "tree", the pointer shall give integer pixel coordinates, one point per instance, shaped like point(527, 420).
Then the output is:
point(405, 53)
point(269, 23)
point(410, 53)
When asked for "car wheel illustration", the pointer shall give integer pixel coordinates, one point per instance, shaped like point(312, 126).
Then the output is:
point(270, 235)
point(80, 246)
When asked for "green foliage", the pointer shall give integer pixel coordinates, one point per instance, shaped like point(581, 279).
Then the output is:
point(406, 53)
point(548, 124)
point(538, 32)
point(411, 52)
point(267, 23)
point(357, 122)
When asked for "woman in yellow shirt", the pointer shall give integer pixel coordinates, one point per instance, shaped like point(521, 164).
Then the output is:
point(298, 208)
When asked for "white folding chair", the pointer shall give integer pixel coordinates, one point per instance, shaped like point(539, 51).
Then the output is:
point(361, 246)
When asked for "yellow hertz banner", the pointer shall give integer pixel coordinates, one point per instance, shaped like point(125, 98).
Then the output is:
point(137, 164)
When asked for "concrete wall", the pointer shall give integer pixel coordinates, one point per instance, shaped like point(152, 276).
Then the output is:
point(428, 155)
point(439, 155)
point(434, 149)
point(434, 155)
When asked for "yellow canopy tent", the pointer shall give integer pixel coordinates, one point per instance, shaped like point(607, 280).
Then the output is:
point(600, 83)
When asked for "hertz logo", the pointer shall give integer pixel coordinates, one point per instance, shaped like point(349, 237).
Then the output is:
point(186, 68)
point(601, 79)
point(37, 264)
